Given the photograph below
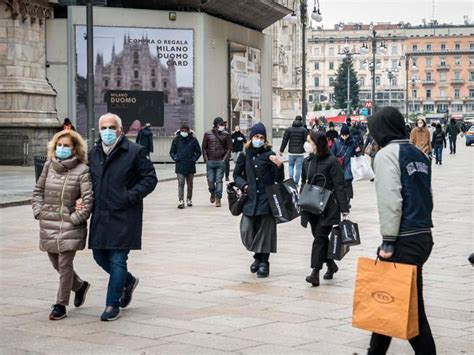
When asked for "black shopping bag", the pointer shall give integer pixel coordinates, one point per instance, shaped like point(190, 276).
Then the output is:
point(283, 200)
point(236, 198)
point(349, 232)
point(336, 250)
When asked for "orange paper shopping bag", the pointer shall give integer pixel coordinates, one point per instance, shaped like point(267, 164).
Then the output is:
point(385, 298)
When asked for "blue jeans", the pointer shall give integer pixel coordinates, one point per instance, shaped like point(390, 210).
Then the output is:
point(114, 262)
point(438, 150)
point(295, 172)
point(215, 174)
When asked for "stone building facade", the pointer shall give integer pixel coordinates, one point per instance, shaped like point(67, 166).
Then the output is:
point(27, 101)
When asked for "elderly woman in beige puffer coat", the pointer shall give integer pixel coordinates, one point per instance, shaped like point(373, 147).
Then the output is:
point(63, 230)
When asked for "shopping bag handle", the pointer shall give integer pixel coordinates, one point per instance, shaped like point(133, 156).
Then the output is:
point(378, 258)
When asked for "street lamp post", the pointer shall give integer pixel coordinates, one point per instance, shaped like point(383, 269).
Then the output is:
point(407, 68)
point(90, 74)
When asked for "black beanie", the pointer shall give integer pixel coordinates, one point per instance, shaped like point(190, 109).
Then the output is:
point(218, 121)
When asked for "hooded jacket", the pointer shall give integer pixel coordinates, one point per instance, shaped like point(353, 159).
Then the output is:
point(61, 183)
point(452, 130)
point(421, 137)
point(403, 179)
point(296, 137)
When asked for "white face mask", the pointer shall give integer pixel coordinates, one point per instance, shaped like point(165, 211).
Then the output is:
point(184, 134)
point(221, 128)
point(308, 147)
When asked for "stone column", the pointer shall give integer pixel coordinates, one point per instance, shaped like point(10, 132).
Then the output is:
point(27, 100)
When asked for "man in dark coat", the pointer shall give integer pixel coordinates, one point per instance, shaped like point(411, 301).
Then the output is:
point(122, 175)
point(185, 151)
point(145, 138)
point(452, 132)
point(295, 136)
point(238, 142)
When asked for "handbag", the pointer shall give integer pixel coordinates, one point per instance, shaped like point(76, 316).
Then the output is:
point(386, 299)
point(349, 232)
point(314, 198)
point(236, 198)
point(361, 169)
point(283, 200)
point(336, 250)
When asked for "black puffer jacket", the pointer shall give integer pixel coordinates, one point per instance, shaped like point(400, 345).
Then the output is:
point(255, 169)
point(185, 152)
point(331, 169)
point(296, 135)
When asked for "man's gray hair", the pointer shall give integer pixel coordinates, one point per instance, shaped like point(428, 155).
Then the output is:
point(113, 115)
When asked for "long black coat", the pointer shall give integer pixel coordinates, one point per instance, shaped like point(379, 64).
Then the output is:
point(185, 152)
point(255, 169)
point(120, 183)
point(145, 138)
point(331, 169)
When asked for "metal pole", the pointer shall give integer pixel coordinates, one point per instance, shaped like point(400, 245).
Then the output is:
point(303, 9)
point(348, 85)
point(90, 75)
point(412, 98)
point(390, 76)
point(407, 66)
point(374, 50)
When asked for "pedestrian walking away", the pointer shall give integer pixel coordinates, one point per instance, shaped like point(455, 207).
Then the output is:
point(344, 149)
point(295, 137)
point(122, 175)
point(452, 132)
point(238, 142)
point(185, 152)
point(258, 168)
point(323, 169)
point(331, 134)
point(145, 138)
point(63, 229)
point(438, 142)
point(420, 136)
point(227, 162)
point(216, 149)
point(405, 205)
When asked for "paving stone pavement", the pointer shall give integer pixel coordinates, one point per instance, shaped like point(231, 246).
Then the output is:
point(197, 296)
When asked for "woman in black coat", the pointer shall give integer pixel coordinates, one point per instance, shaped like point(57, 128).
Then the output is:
point(185, 151)
point(322, 161)
point(257, 168)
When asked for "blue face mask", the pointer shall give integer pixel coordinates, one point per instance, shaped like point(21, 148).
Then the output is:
point(109, 136)
point(257, 143)
point(63, 152)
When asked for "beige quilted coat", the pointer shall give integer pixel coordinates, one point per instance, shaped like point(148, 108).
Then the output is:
point(61, 183)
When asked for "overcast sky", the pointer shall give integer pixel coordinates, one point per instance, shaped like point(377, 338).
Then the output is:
point(413, 11)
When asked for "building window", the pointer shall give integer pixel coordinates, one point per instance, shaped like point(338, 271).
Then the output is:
point(456, 108)
point(394, 81)
point(394, 63)
point(443, 46)
point(457, 75)
point(316, 65)
point(135, 58)
point(441, 108)
point(413, 93)
point(331, 81)
point(135, 74)
point(106, 83)
point(442, 62)
point(442, 76)
point(428, 108)
point(118, 83)
point(428, 61)
point(153, 72)
point(165, 84)
point(470, 107)
point(471, 60)
point(377, 81)
point(471, 46)
point(471, 76)
point(457, 93)
point(415, 48)
point(362, 81)
point(457, 61)
point(316, 50)
point(331, 65)
point(442, 92)
point(166, 98)
point(316, 81)
point(428, 93)
point(119, 71)
point(457, 46)
point(471, 92)
point(394, 49)
point(331, 50)
point(428, 76)
point(153, 84)
point(428, 47)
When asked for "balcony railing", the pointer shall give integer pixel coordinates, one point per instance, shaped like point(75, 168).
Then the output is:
point(457, 81)
point(442, 67)
point(429, 82)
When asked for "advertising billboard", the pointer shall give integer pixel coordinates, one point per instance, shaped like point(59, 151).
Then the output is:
point(245, 90)
point(145, 75)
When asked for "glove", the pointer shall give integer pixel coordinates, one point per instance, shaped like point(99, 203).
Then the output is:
point(386, 250)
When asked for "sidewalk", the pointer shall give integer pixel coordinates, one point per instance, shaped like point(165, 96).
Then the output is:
point(197, 296)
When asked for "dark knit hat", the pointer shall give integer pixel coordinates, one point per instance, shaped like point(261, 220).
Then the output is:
point(299, 118)
point(218, 121)
point(259, 128)
point(331, 124)
point(185, 126)
point(345, 129)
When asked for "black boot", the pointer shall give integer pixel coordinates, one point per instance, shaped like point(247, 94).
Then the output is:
point(254, 266)
point(263, 269)
point(313, 279)
point(332, 269)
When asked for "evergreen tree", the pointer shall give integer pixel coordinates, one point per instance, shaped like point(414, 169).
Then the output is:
point(340, 85)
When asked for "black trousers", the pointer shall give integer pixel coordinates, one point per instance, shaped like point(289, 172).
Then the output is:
point(413, 250)
point(262, 256)
point(319, 252)
point(227, 168)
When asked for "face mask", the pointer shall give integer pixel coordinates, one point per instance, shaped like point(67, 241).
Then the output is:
point(308, 147)
point(420, 124)
point(257, 143)
point(221, 128)
point(109, 136)
point(63, 152)
point(184, 134)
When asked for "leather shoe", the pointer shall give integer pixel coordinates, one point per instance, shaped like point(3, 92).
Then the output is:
point(263, 269)
point(254, 266)
point(332, 269)
point(313, 279)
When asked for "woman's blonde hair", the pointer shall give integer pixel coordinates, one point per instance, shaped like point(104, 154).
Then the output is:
point(79, 145)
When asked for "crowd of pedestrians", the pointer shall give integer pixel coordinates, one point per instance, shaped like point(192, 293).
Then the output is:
point(110, 182)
